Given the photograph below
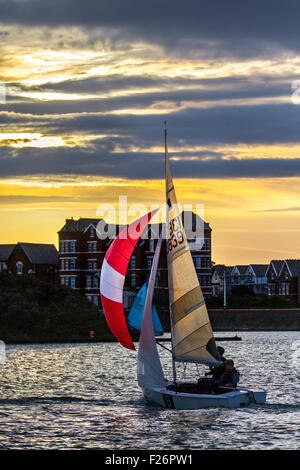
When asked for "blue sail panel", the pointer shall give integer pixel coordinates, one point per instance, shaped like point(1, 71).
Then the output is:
point(134, 319)
point(136, 312)
point(158, 329)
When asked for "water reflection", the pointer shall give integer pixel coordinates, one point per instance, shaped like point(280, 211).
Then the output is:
point(86, 396)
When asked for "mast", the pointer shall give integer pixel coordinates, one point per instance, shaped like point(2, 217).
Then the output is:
point(167, 223)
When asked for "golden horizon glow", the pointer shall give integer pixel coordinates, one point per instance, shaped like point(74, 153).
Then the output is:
point(240, 211)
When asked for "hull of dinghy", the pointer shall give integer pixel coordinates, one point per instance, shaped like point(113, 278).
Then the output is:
point(188, 401)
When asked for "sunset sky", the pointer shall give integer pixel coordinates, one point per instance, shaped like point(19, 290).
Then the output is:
point(90, 83)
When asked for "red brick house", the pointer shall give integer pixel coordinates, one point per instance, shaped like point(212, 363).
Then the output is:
point(272, 274)
point(37, 259)
point(81, 254)
point(289, 279)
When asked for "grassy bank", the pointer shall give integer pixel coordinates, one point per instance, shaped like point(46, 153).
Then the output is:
point(35, 311)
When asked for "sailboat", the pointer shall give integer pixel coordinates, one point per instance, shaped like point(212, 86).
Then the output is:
point(191, 333)
point(135, 316)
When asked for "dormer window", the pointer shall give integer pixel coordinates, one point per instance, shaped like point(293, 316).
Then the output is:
point(92, 232)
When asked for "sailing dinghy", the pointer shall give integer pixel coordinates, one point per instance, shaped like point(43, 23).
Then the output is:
point(192, 336)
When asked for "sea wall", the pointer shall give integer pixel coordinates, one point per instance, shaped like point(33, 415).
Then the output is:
point(255, 320)
point(249, 319)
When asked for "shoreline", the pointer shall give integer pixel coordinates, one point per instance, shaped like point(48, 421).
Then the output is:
point(98, 341)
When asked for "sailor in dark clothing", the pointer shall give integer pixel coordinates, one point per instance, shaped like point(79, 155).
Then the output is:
point(231, 376)
point(218, 371)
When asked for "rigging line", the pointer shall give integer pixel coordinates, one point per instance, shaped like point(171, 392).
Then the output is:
point(159, 344)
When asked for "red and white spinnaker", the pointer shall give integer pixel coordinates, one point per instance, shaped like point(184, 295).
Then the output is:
point(113, 274)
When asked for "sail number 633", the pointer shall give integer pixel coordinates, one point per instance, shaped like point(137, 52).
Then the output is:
point(176, 236)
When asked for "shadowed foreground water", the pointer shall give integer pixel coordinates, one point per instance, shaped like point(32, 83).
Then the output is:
point(85, 396)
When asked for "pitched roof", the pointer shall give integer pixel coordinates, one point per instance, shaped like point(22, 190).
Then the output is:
point(277, 265)
point(40, 253)
point(241, 268)
point(293, 266)
point(259, 269)
point(5, 251)
point(79, 225)
point(220, 268)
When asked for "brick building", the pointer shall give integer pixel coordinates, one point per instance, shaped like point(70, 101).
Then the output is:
point(289, 279)
point(81, 254)
point(272, 274)
point(37, 259)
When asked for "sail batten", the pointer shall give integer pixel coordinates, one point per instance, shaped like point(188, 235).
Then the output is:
point(192, 336)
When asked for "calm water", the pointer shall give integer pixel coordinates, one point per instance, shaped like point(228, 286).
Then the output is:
point(86, 396)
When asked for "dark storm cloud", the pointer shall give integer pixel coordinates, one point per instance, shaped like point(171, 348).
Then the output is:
point(240, 27)
point(263, 124)
point(138, 165)
point(175, 89)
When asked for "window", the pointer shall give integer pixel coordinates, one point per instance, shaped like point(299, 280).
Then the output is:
point(149, 261)
point(73, 263)
point(92, 264)
point(95, 282)
point(88, 282)
point(89, 297)
point(19, 267)
point(199, 243)
point(133, 262)
point(151, 245)
point(197, 261)
point(92, 246)
point(133, 280)
point(287, 289)
point(3, 267)
point(95, 299)
point(92, 232)
point(73, 282)
point(65, 264)
point(73, 246)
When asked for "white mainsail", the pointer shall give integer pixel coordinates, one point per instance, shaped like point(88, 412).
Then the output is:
point(149, 370)
point(192, 336)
